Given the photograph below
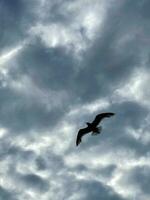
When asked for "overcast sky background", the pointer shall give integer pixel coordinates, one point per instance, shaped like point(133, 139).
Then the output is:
point(61, 63)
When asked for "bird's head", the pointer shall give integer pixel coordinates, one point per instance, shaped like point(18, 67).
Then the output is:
point(88, 123)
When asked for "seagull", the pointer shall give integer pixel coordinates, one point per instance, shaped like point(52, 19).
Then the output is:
point(92, 127)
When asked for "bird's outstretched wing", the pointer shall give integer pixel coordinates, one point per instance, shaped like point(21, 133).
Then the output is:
point(99, 117)
point(81, 133)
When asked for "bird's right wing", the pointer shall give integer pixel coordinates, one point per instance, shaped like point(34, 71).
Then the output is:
point(101, 116)
point(81, 133)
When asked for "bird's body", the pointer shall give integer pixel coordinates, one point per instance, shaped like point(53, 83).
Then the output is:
point(92, 127)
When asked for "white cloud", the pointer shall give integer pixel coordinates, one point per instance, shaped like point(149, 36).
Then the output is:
point(135, 88)
point(92, 107)
point(8, 56)
point(84, 19)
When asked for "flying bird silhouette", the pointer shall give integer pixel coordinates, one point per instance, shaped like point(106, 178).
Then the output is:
point(92, 127)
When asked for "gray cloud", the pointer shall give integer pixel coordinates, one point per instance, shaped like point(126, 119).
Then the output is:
point(16, 18)
point(140, 176)
point(33, 181)
point(17, 107)
point(47, 65)
point(5, 194)
point(95, 190)
point(75, 57)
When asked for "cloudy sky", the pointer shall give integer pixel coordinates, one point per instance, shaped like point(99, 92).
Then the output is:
point(61, 63)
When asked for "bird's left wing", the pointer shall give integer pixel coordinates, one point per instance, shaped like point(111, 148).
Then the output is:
point(99, 117)
point(81, 133)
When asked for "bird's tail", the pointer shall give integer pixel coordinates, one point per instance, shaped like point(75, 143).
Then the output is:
point(98, 130)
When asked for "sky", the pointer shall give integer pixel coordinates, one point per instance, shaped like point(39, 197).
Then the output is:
point(61, 63)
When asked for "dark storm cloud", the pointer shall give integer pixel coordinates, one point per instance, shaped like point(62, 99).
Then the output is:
point(51, 68)
point(41, 163)
point(19, 113)
point(15, 18)
point(49, 160)
point(5, 194)
point(96, 190)
point(33, 181)
point(130, 114)
point(140, 178)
